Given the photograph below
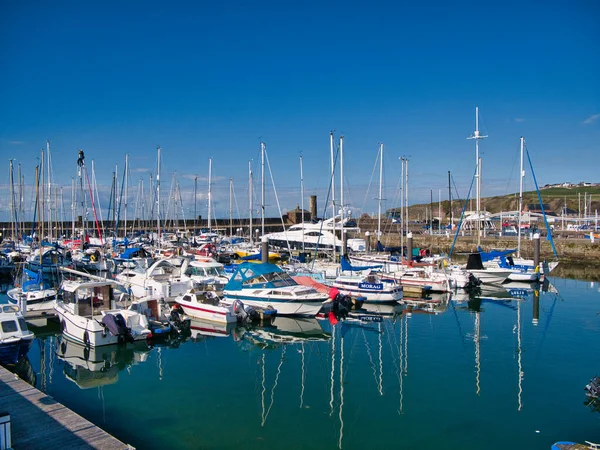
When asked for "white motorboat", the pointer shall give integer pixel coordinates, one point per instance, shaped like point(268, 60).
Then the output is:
point(164, 279)
point(15, 338)
point(35, 295)
point(207, 271)
point(206, 305)
point(371, 287)
point(424, 277)
point(322, 235)
point(88, 315)
point(265, 285)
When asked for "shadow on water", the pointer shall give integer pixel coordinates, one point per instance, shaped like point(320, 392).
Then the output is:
point(24, 370)
point(578, 271)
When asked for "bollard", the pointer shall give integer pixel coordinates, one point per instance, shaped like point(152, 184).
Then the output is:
point(5, 439)
point(536, 249)
point(409, 246)
point(264, 252)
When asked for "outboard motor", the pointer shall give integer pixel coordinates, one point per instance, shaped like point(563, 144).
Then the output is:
point(240, 311)
point(117, 327)
point(341, 305)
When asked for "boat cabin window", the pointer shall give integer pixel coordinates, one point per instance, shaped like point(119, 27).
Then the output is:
point(9, 326)
point(187, 298)
point(23, 324)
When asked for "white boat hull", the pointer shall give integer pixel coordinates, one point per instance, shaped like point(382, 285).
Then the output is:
point(219, 314)
point(491, 276)
point(285, 307)
point(89, 331)
point(40, 301)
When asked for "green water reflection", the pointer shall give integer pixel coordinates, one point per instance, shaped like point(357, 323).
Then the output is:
point(503, 370)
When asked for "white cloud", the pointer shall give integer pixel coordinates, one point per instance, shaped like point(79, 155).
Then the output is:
point(16, 142)
point(590, 120)
point(519, 120)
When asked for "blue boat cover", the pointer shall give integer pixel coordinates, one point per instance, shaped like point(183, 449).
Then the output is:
point(345, 264)
point(129, 253)
point(248, 271)
point(488, 256)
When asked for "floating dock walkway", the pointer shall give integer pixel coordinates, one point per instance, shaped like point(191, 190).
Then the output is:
point(39, 421)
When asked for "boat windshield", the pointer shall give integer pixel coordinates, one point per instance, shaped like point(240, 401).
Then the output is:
point(275, 279)
point(9, 326)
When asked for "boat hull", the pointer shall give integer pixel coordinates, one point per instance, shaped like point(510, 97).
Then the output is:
point(12, 350)
point(210, 313)
point(89, 331)
point(286, 307)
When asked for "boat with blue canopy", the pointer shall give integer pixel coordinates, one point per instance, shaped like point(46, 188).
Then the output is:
point(265, 285)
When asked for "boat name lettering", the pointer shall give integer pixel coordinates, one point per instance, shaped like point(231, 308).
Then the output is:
point(371, 286)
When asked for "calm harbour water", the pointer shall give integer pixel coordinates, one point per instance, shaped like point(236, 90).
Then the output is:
point(477, 374)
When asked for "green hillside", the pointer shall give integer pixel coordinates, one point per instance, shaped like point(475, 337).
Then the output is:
point(555, 198)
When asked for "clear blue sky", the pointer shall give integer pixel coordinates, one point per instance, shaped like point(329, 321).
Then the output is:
point(213, 79)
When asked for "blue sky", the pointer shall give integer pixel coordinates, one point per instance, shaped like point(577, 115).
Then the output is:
point(213, 79)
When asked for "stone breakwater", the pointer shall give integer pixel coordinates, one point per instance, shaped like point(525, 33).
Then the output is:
point(570, 250)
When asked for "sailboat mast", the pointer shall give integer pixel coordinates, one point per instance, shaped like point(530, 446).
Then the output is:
point(195, 211)
point(380, 192)
point(37, 196)
point(49, 198)
point(126, 191)
point(158, 197)
point(521, 175)
point(402, 205)
point(262, 188)
point(331, 152)
point(342, 214)
point(302, 199)
point(209, 196)
point(43, 206)
point(450, 201)
point(477, 137)
point(231, 207)
point(12, 205)
point(21, 199)
point(73, 202)
point(406, 197)
point(250, 194)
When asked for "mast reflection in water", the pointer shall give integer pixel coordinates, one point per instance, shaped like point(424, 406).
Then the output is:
point(479, 371)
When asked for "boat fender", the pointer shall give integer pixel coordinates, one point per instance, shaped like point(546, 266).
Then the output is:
point(537, 269)
point(86, 338)
point(63, 326)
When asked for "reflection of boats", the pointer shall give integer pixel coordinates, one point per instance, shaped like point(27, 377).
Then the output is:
point(384, 309)
point(199, 329)
point(97, 366)
point(432, 304)
point(87, 315)
point(15, 338)
point(24, 370)
point(286, 330)
point(484, 292)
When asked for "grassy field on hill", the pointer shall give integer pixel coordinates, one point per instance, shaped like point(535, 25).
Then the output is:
point(555, 198)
